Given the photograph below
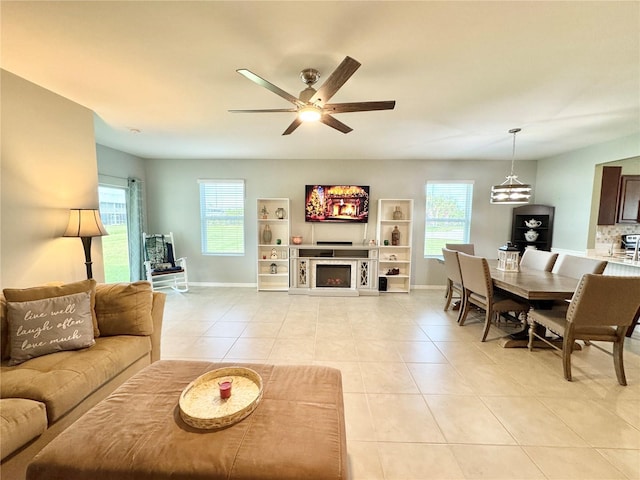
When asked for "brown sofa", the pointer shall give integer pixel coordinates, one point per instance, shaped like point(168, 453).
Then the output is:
point(42, 396)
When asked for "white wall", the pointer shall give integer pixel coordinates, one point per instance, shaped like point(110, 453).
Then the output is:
point(48, 167)
point(173, 204)
point(114, 166)
point(567, 182)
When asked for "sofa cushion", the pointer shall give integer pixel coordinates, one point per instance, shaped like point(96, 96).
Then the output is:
point(4, 329)
point(62, 380)
point(21, 421)
point(124, 308)
point(40, 327)
point(50, 291)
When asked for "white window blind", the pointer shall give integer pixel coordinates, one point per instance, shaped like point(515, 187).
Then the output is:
point(222, 216)
point(448, 215)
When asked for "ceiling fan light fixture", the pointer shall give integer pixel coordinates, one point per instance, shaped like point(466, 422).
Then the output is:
point(511, 191)
point(310, 113)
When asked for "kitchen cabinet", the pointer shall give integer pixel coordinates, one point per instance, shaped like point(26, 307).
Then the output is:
point(532, 227)
point(629, 199)
point(609, 189)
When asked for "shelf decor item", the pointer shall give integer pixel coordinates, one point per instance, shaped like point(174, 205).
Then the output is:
point(266, 234)
point(508, 258)
point(531, 235)
point(264, 212)
point(395, 236)
point(274, 268)
point(280, 213)
point(397, 213)
point(533, 223)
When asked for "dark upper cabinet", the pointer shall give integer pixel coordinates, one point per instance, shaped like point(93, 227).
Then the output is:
point(609, 189)
point(629, 199)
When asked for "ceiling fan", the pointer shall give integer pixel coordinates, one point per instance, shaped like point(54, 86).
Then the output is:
point(312, 104)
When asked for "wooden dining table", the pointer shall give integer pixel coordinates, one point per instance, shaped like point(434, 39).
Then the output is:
point(541, 289)
point(534, 285)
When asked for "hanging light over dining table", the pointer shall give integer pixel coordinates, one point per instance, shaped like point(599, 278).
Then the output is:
point(511, 191)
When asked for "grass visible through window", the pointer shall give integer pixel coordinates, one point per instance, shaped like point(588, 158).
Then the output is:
point(115, 248)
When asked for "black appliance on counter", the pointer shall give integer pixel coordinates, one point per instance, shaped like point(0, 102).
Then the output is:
point(629, 243)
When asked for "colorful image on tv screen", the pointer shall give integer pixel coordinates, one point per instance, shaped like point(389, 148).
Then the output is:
point(336, 203)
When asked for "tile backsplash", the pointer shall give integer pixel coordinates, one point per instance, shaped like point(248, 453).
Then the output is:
point(610, 236)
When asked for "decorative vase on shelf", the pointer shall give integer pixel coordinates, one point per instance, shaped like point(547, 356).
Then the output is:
point(395, 236)
point(397, 214)
point(266, 234)
point(280, 213)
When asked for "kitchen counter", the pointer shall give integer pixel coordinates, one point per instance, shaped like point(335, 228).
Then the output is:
point(617, 264)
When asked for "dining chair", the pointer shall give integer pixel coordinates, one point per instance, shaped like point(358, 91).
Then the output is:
point(575, 267)
point(468, 248)
point(478, 290)
point(602, 309)
point(538, 260)
point(454, 279)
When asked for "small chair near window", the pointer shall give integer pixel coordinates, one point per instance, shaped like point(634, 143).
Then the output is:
point(161, 266)
point(478, 290)
point(454, 279)
point(538, 260)
point(468, 248)
point(602, 309)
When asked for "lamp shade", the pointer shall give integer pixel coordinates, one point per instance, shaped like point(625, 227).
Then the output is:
point(84, 222)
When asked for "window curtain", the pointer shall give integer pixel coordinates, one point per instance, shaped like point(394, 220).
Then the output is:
point(135, 225)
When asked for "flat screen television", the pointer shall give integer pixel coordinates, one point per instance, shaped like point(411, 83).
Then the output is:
point(336, 203)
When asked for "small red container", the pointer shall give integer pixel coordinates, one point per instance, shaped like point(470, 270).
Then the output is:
point(225, 388)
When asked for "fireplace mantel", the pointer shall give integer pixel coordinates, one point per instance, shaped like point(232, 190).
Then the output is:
point(362, 259)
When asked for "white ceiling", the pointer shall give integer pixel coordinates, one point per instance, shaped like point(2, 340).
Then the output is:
point(462, 74)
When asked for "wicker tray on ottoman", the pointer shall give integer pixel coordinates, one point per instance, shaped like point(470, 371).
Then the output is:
point(202, 406)
point(296, 431)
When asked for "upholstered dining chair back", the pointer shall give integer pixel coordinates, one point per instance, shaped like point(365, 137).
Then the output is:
point(476, 276)
point(478, 290)
point(468, 248)
point(601, 309)
point(576, 267)
point(604, 300)
point(454, 277)
point(538, 260)
point(452, 265)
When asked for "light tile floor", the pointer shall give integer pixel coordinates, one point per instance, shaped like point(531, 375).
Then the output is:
point(424, 398)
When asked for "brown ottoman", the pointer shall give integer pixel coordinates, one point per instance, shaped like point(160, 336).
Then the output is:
point(296, 432)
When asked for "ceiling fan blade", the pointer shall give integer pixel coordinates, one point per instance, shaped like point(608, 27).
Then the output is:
point(339, 76)
point(333, 123)
point(359, 106)
point(295, 124)
point(269, 86)
point(266, 110)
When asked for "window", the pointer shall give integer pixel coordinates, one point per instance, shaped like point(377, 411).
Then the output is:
point(448, 215)
point(115, 246)
point(222, 216)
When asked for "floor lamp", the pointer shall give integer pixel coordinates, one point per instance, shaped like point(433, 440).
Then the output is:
point(86, 224)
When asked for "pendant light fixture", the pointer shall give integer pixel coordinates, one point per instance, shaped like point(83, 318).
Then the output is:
point(511, 191)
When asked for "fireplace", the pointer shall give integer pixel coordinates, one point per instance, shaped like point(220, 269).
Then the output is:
point(333, 270)
point(333, 276)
